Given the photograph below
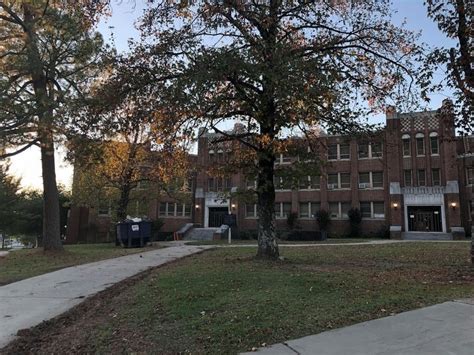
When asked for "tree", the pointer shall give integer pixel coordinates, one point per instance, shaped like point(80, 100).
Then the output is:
point(276, 66)
point(455, 18)
point(9, 196)
point(47, 57)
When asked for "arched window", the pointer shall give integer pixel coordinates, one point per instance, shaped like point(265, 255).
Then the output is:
point(406, 145)
point(420, 144)
point(434, 143)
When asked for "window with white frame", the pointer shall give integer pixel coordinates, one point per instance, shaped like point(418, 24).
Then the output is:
point(309, 209)
point(334, 210)
point(436, 177)
point(339, 181)
point(371, 179)
point(310, 183)
point(407, 177)
point(172, 209)
point(470, 176)
point(406, 145)
point(250, 210)
point(375, 210)
point(434, 143)
point(370, 150)
point(344, 151)
point(282, 182)
point(283, 159)
point(282, 209)
point(332, 152)
point(339, 151)
point(104, 208)
point(339, 210)
point(420, 144)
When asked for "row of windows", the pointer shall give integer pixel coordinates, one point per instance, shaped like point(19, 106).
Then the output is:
point(421, 177)
point(367, 180)
point(219, 184)
point(337, 210)
point(171, 209)
point(341, 151)
point(420, 144)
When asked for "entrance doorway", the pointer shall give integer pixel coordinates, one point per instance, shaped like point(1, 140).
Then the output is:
point(216, 216)
point(424, 219)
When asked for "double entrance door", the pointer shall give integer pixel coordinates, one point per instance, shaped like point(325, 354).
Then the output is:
point(424, 219)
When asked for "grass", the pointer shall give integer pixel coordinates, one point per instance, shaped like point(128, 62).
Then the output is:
point(282, 242)
point(225, 301)
point(24, 263)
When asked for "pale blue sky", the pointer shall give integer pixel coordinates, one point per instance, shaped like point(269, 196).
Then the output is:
point(125, 13)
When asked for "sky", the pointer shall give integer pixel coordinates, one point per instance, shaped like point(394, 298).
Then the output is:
point(27, 165)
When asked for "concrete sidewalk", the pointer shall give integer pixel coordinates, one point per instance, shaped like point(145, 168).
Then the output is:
point(26, 303)
point(446, 328)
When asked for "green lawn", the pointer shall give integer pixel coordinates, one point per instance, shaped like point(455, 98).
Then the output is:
point(224, 301)
point(24, 263)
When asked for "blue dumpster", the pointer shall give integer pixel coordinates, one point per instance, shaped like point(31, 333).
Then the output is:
point(133, 234)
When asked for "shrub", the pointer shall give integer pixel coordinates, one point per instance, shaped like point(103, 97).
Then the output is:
point(355, 219)
point(323, 219)
point(291, 220)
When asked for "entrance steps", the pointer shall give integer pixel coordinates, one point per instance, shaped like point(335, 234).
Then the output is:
point(426, 236)
point(201, 234)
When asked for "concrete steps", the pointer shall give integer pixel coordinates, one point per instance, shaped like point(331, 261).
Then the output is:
point(201, 234)
point(426, 236)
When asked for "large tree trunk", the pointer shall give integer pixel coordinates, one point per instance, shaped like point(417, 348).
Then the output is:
point(123, 203)
point(267, 244)
point(51, 217)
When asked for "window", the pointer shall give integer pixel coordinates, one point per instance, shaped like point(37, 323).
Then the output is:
point(339, 181)
point(309, 209)
point(310, 182)
point(421, 177)
point(282, 183)
point(372, 210)
point(339, 210)
point(377, 179)
point(332, 151)
point(470, 176)
point(250, 210)
point(407, 177)
point(167, 209)
point(366, 209)
point(420, 144)
point(345, 180)
point(345, 207)
point(210, 184)
point(282, 209)
point(338, 151)
point(364, 180)
point(436, 177)
point(187, 210)
point(344, 151)
point(372, 150)
point(104, 208)
point(370, 180)
point(363, 150)
point(333, 181)
point(376, 149)
point(251, 184)
point(434, 144)
point(378, 210)
point(334, 209)
point(406, 145)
